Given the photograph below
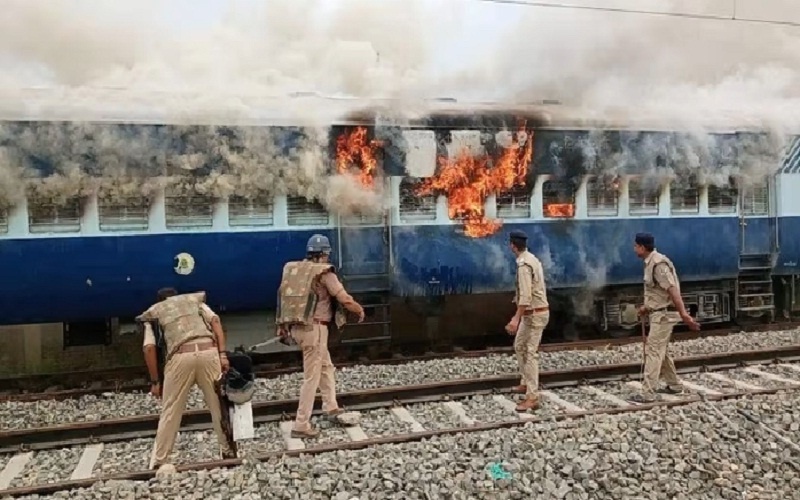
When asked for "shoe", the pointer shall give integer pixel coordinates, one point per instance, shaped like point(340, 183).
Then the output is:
point(519, 389)
point(310, 433)
point(671, 390)
point(331, 415)
point(641, 399)
point(528, 404)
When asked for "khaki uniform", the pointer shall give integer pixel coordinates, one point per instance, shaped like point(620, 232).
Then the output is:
point(305, 306)
point(659, 276)
point(531, 294)
point(192, 358)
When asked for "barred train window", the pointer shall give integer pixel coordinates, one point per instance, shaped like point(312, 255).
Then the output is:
point(603, 197)
point(643, 199)
point(722, 199)
point(414, 207)
point(188, 211)
point(258, 211)
point(685, 196)
point(44, 216)
point(558, 199)
point(304, 212)
point(124, 214)
point(3, 220)
point(514, 204)
point(755, 199)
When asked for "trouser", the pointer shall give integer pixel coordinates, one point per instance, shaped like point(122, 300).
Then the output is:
point(317, 373)
point(526, 345)
point(181, 372)
point(657, 359)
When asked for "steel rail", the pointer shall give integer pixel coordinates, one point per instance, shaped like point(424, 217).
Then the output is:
point(42, 438)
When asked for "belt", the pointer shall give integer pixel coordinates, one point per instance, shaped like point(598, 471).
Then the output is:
point(320, 322)
point(536, 310)
point(663, 309)
point(193, 347)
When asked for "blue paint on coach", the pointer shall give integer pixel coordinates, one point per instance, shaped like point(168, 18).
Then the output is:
point(789, 238)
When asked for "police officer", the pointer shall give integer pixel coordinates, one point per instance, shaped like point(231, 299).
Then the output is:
point(305, 310)
point(530, 320)
point(664, 306)
point(195, 354)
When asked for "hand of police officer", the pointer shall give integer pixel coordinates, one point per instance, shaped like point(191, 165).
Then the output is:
point(642, 311)
point(155, 390)
point(224, 363)
point(690, 322)
point(512, 326)
point(361, 316)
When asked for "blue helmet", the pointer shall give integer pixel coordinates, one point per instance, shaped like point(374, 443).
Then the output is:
point(318, 244)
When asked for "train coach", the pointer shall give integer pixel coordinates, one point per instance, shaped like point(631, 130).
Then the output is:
point(435, 262)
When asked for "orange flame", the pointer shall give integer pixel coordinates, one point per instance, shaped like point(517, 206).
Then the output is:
point(468, 180)
point(355, 152)
point(559, 210)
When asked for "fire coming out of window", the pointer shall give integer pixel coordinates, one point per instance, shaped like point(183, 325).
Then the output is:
point(355, 152)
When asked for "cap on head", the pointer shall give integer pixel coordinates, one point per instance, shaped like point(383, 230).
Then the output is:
point(518, 235)
point(318, 243)
point(645, 239)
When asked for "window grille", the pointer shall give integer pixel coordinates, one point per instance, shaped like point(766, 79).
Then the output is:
point(603, 198)
point(685, 198)
point(48, 217)
point(514, 204)
point(124, 214)
point(258, 211)
point(189, 211)
point(304, 212)
point(642, 200)
point(3, 220)
point(722, 200)
point(414, 207)
point(558, 199)
point(755, 199)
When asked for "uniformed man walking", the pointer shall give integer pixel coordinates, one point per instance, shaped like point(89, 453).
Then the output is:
point(195, 354)
point(664, 306)
point(305, 309)
point(530, 320)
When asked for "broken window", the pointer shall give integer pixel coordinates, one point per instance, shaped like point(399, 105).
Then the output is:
point(643, 199)
point(46, 216)
point(304, 212)
point(558, 199)
point(755, 198)
point(514, 204)
point(124, 214)
point(188, 210)
point(603, 197)
point(3, 220)
point(722, 199)
point(684, 196)
point(414, 207)
point(258, 211)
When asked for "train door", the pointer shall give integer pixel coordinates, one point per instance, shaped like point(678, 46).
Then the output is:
point(754, 291)
point(756, 227)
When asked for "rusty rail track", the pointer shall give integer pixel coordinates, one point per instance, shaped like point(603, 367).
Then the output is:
point(122, 429)
point(118, 376)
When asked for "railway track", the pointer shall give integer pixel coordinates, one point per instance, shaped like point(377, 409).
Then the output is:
point(413, 413)
point(133, 379)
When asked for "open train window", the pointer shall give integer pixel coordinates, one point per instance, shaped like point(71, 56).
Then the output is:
point(558, 199)
point(47, 216)
point(130, 213)
point(643, 199)
point(603, 197)
point(188, 210)
point(515, 203)
point(755, 198)
point(3, 219)
point(684, 196)
point(258, 211)
point(722, 199)
point(414, 207)
point(304, 212)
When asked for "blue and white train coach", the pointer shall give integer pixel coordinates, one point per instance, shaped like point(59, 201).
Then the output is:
point(94, 261)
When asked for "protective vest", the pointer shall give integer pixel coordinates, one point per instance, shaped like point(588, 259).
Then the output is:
point(181, 320)
point(296, 297)
point(656, 297)
point(530, 271)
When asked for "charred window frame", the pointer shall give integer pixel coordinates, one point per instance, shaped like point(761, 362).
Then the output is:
point(258, 211)
point(685, 196)
point(722, 199)
point(641, 199)
point(46, 216)
point(755, 198)
point(558, 199)
point(188, 210)
point(129, 213)
point(305, 212)
point(414, 207)
point(514, 203)
point(602, 197)
point(3, 219)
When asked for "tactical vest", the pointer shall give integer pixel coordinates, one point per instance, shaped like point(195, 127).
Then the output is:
point(181, 320)
point(296, 297)
point(654, 296)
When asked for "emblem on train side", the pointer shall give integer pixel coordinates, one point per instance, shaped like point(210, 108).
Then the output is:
point(184, 263)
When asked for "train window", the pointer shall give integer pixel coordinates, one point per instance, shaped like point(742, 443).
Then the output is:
point(46, 216)
point(188, 210)
point(685, 196)
point(86, 333)
point(755, 199)
point(414, 207)
point(722, 199)
point(642, 199)
point(124, 214)
point(514, 204)
point(603, 197)
point(3, 220)
point(304, 212)
point(558, 199)
point(258, 211)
